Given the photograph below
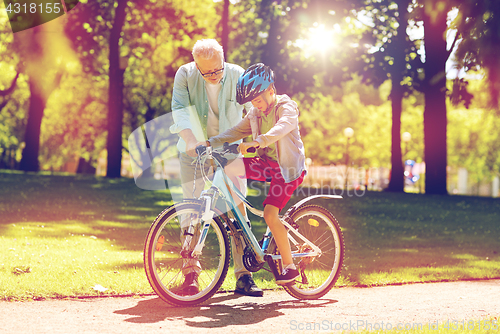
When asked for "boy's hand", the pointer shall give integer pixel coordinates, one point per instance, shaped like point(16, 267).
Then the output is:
point(246, 145)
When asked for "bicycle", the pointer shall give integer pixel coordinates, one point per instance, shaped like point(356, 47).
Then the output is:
point(315, 237)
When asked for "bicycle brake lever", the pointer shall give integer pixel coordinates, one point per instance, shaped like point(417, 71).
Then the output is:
point(234, 148)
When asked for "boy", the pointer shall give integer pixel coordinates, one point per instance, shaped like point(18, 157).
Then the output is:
point(273, 124)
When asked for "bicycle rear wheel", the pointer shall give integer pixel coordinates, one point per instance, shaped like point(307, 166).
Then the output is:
point(166, 268)
point(318, 274)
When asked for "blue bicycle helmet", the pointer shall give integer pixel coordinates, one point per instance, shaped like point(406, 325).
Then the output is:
point(256, 79)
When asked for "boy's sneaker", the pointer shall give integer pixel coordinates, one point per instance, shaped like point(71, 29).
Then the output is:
point(288, 275)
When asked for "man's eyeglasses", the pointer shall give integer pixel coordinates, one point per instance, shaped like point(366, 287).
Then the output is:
point(208, 75)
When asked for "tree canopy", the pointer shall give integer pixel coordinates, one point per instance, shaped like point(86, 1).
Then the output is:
point(378, 67)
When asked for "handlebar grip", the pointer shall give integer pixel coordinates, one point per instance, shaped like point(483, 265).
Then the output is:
point(200, 149)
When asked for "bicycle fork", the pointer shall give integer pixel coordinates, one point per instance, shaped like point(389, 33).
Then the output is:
point(205, 215)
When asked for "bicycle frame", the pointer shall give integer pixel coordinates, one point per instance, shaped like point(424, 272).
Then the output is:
point(222, 187)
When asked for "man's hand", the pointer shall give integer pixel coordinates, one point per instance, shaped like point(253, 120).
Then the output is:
point(190, 140)
point(246, 145)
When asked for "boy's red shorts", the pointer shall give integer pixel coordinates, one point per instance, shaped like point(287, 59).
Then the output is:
point(279, 192)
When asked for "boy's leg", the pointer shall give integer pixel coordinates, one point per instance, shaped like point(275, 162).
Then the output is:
point(278, 196)
point(271, 216)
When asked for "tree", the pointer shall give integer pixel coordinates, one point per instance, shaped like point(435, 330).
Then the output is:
point(74, 125)
point(324, 116)
point(38, 47)
point(267, 31)
point(225, 26)
point(429, 77)
point(434, 16)
point(115, 99)
point(13, 98)
point(154, 38)
point(392, 60)
point(398, 51)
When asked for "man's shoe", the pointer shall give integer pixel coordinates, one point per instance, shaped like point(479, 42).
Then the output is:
point(246, 286)
point(288, 276)
point(189, 287)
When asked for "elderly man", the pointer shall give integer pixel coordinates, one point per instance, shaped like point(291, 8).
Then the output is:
point(209, 84)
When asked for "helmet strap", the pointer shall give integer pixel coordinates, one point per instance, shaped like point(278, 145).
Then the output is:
point(272, 103)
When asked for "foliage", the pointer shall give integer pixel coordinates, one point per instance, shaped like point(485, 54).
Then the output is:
point(12, 116)
point(12, 101)
point(277, 34)
point(477, 24)
point(325, 114)
point(158, 36)
point(392, 53)
point(80, 132)
point(158, 39)
point(473, 136)
point(324, 118)
point(412, 122)
point(156, 42)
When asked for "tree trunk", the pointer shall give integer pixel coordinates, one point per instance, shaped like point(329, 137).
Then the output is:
point(396, 182)
point(29, 160)
point(272, 48)
point(435, 119)
point(494, 78)
point(115, 102)
point(398, 50)
point(225, 27)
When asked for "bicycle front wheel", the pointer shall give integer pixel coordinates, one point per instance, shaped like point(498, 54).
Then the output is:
point(318, 274)
point(168, 268)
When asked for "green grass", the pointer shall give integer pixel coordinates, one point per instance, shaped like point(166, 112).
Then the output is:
point(402, 238)
point(64, 236)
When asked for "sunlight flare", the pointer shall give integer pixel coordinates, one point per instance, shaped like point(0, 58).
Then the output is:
point(319, 39)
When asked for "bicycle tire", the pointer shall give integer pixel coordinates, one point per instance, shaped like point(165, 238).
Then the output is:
point(164, 264)
point(320, 227)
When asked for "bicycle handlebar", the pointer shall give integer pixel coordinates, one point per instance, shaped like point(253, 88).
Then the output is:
point(226, 148)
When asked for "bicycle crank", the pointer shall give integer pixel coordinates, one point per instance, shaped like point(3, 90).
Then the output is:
point(250, 262)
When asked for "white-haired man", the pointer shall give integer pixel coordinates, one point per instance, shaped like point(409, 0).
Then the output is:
point(209, 84)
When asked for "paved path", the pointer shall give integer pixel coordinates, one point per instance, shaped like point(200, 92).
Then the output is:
point(351, 308)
